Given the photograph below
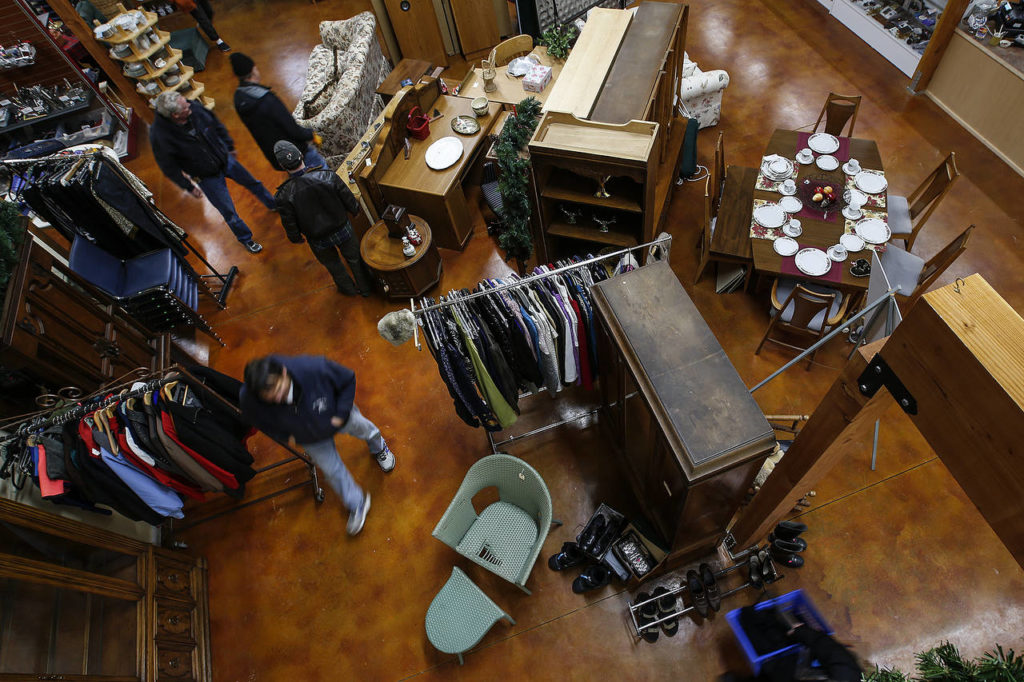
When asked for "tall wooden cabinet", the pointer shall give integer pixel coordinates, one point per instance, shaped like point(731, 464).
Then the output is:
point(690, 437)
point(595, 183)
point(85, 604)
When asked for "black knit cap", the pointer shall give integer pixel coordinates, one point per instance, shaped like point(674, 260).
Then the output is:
point(241, 64)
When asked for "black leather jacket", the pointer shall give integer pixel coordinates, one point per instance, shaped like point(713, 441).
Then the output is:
point(313, 204)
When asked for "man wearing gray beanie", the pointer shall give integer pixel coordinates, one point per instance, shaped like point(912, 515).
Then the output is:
point(314, 205)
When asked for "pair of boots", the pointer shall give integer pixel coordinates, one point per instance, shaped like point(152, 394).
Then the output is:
point(703, 587)
point(660, 604)
point(786, 543)
point(592, 578)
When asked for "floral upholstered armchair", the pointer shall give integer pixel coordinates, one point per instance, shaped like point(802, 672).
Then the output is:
point(700, 93)
point(339, 100)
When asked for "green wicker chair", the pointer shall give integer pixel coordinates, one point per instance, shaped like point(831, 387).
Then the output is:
point(460, 615)
point(506, 537)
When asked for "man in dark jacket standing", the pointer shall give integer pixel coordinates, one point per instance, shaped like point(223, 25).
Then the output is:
point(311, 399)
point(313, 203)
point(266, 116)
point(190, 143)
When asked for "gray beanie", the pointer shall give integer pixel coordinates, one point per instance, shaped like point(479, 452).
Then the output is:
point(287, 155)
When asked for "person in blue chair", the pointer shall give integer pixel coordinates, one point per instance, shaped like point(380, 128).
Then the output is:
point(193, 149)
point(308, 400)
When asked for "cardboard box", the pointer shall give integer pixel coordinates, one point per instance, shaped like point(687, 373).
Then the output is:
point(537, 78)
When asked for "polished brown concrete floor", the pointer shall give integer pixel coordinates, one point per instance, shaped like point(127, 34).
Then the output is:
point(899, 559)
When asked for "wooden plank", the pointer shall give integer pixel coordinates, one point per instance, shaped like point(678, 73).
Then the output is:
point(477, 24)
point(630, 83)
point(561, 132)
point(417, 31)
point(959, 355)
point(45, 573)
point(584, 72)
point(36, 519)
point(938, 43)
point(840, 424)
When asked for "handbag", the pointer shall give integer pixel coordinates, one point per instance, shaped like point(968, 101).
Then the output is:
point(418, 124)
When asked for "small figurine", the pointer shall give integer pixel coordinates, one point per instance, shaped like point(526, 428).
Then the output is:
point(408, 249)
point(414, 235)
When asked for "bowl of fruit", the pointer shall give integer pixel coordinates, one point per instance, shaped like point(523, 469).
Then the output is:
point(820, 193)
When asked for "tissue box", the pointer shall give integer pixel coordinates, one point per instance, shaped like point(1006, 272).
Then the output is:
point(537, 78)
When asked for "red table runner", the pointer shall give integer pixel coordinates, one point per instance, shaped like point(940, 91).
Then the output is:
point(843, 153)
point(835, 273)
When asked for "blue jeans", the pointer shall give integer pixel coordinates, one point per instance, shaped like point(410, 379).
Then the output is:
point(312, 157)
point(216, 190)
point(325, 456)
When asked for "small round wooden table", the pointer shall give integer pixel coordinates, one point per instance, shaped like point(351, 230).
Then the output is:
point(401, 277)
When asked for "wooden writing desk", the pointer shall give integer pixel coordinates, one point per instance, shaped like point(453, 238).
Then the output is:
point(436, 195)
point(510, 88)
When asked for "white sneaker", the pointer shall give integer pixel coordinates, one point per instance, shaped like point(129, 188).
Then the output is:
point(386, 459)
point(357, 518)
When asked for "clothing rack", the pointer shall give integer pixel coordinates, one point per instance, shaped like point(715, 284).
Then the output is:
point(217, 284)
point(663, 244)
point(154, 380)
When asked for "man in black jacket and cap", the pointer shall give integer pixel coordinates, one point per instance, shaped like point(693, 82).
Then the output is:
point(313, 204)
point(193, 149)
point(266, 116)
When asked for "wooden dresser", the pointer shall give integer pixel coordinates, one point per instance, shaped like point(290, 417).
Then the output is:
point(83, 603)
point(689, 435)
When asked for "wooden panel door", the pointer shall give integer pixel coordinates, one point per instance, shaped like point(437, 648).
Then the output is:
point(415, 25)
point(477, 25)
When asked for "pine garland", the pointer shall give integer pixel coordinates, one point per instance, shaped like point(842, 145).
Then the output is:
point(514, 181)
point(11, 234)
point(944, 663)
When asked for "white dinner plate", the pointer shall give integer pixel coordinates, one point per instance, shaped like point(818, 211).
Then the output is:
point(791, 204)
point(852, 242)
point(823, 143)
point(444, 153)
point(873, 230)
point(784, 246)
point(827, 162)
point(813, 262)
point(770, 215)
point(831, 253)
point(872, 183)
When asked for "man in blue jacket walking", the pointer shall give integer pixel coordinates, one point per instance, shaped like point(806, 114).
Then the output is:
point(310, 399)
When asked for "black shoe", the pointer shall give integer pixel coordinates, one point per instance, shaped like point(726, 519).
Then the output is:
point(571, 555)
point(697, 593)
point(667, 607)
point(786, 553)
point(768, 572)
point(789, 530)
point(592, 534)
point(754, 570)
point(592, 578)
point(253, 246)
point(798, 541)
point(645, 615)
point(223, 47)
point(365, 293)
point(707, 576)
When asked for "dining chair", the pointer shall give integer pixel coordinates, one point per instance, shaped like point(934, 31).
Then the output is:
point(506, 50)
point(907, 215)
point(805, 308)
point(837, 111)
point(912, 273)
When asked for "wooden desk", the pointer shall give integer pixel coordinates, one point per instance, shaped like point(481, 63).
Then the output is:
point(438, 195)
point(689, 435)
point(401, 277)
point(510, 88)
point(817, 233)
point(412, 69)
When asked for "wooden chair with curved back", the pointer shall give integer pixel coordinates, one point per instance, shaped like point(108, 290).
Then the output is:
point(507, 50)
point(907, 215)
point(838, 110)
point(718, 178)
point(808, 309)
point(913, 274)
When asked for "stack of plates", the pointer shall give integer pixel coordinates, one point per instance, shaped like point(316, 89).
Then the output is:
point(873, 230)
point(823, 143)
point(770, 216)
point(813, 262)
point(871, 183)
point(776, 167)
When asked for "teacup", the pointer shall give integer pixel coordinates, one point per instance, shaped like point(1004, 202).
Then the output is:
point(805, 155)
point(479, 105)
point(853, 165)
point(789, 186)
point(840, 251)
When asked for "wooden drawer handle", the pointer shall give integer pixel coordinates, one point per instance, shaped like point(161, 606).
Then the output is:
point(667, 489)
point(173, 620)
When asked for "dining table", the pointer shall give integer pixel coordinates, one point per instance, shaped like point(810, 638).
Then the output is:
point(820, 229)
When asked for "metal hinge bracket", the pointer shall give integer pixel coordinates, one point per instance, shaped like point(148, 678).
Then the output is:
point(878, 374)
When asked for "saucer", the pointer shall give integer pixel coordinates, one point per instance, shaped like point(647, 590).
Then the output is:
point(850, 171)
point(850, 215)
point(831, 253)
point(805, 159)
point(783, 192)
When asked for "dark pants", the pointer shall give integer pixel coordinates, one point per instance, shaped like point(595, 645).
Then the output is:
point(216, 190)
point(328, 255)
point(203, 14)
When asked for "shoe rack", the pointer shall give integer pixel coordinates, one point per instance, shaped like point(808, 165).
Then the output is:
point(761, 571)
point(147, 58)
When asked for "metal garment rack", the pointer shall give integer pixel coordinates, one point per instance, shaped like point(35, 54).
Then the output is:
point(219, 295)
point(154, 380)
point(664, 243)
